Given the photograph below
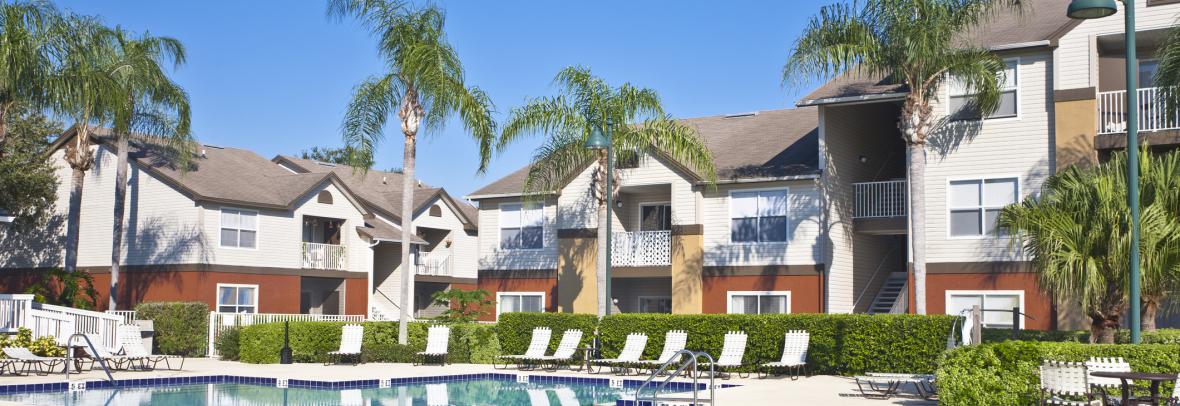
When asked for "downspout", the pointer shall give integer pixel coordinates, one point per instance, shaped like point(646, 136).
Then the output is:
point(372, 265)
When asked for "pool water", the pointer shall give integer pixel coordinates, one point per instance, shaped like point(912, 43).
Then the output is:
point(502, 392)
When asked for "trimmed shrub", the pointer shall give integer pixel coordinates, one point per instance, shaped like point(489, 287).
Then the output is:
point(311, 342)
point(182, 328)
point(515, 330)
point(1160, 336)
point(840, 343)
point(227, 344)
point(1007, 373)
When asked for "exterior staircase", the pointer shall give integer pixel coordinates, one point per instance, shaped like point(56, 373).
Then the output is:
point(381, 307)
point(891, 297)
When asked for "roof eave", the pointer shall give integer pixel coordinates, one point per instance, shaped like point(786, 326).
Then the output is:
point(857, 99)
point(499, 195)
point(808, 176)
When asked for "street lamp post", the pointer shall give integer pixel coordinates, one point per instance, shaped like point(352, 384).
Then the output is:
point(600, 140)
point(1087, 9)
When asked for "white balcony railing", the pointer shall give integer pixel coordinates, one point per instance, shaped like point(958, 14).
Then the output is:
point(1152, 113)
point(880, 199)
point(641, 248)
point(324, 256)
point(435, 264)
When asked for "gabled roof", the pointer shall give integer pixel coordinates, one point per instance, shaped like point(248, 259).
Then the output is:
point(381, 190)
point(222, 174)
point(1039, 26)
point(764, 145)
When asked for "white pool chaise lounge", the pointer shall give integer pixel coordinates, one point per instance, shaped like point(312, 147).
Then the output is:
point(437, 339)
point(351, 336)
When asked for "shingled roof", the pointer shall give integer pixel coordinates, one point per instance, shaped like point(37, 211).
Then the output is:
point(760, 145)
point(1040, 25)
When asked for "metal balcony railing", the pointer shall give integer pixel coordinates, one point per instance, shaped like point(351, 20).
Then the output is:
point(880, 199)
point(324, 256)
point(1152, 112)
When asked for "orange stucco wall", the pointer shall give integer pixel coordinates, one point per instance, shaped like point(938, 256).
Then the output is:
point(1036, 303)
point(806, 290)
point(493, 285)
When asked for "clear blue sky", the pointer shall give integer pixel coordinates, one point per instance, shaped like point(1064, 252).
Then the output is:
point(275, 76)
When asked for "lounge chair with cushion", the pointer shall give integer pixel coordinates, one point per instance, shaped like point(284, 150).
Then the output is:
point(794, 357)
point(437, 339)
point(566, 348)
point(537, 347)
point(29, 361)
point(131, 343)
point(632, 350)
point(351, 336)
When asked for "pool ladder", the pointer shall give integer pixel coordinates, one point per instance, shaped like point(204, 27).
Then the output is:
point(101, 361)
point(686, 362)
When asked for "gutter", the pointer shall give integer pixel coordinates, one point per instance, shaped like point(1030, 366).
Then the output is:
point(852, 99)
point(1021, 45)
point(767, 179)
point(497, 195)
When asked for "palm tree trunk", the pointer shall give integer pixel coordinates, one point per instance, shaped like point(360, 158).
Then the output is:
point(600, 262)
point(117, 229)
point(913, 130)
point(75, 218)
point(1151, 306)
point(3, 126)
point(407, 224)
point(1102, 329)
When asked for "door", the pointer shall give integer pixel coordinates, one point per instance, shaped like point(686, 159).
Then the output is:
point(655, 217)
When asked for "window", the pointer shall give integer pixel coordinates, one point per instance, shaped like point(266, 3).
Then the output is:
point(239, 228)
point(655, 217)
point(758, 216)
point(655, 304)
point(975, 205)
point(522, 226)
point(435, 211)
point(237, 298)
point(958, 301)
point(1147, 70)
point(759, 302)
point(510, 302)
point(325, 197)
point(961, 105)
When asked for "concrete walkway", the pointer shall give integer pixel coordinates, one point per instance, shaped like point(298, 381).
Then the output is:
point(815, 390)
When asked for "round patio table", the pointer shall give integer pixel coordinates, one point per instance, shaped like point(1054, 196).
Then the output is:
point(1128, 377)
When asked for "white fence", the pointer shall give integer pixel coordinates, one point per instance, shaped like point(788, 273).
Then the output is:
point(103, 325)
point(57, 321)
point(324, 256)
point(128, 316)
point(879, 199)
point(1151, 111)
point(220, 322)
point(435, 264)
point(14, 311)
point(641, 248)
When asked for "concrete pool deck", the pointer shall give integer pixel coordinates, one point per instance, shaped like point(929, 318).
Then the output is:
point(815, 390)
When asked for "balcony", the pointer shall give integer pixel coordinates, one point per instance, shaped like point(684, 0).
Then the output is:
point(1151, 112)
point(880, 207)
point(434, 264)
point(641, 248)
point(324, 256)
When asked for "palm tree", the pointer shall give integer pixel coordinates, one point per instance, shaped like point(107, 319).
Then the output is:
point(917, 43)
point(1076, 233)
point(1168, 74)
point(637, 124)
point(28, 49)
point(151, 108)
point(425, 86)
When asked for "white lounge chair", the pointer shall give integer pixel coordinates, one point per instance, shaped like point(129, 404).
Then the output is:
point(537, 348)
point(538, 397)
point(28, 360)
point(1103, 364)
point(567, 397)
point(437, 340)
point(1065, 383)
point(632, 350)
point(674, 341)
point(565, 351)
point(732, 352)
point(436, 395)
point(131, 341)
point(100, 353)
point(875, 385)
point(351, 336)
point(794, 357)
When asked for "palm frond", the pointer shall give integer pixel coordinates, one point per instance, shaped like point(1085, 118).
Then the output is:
point(364, 119)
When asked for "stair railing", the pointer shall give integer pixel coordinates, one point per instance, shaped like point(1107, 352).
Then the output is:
point(685, 360)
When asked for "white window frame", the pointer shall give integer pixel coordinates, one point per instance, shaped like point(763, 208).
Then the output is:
point(983, 208)
point(639, 212)
point(1019, 111)
point(729, 218)
point(985, 292)
point(502, 294)
point(639, 302)
point(730, 294)
point(500, 227)
point(217, 295)
point(257, 224)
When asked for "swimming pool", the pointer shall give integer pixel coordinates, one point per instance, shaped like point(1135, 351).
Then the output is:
point(475, 389)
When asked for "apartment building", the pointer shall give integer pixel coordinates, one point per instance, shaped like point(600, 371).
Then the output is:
point(248, 234)
point(810, 210)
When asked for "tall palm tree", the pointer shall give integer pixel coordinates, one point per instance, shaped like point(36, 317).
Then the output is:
point(637, 124)
point(1168, 74)
point(917, 43)
point(151, 108)
point(425, 86)
point(1076, 233)
point(28, 49)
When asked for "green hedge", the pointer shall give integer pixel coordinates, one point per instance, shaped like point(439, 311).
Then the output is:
point(515, 330)
point(840, 343)
point(1160, 336)
point(311, 341)
point(1006, 373)
point(182, 328)
point(227, 344)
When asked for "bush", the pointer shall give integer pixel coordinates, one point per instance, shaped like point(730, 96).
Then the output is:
point(182, 328)
point(44, 346)
point(515, 330)
point(311, 342)
point(840, 343)
point(227, 344)
point(1160, 336)
point(1006, 373)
